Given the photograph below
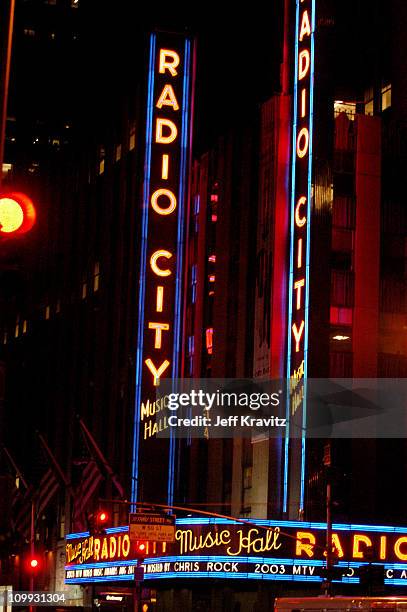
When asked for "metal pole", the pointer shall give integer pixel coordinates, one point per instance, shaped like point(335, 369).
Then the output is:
point(32, 550)
point(327, 464)
point(6, 79)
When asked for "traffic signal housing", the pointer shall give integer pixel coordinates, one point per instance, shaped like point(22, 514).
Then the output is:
point(101, 521)
point(33, 564)
point(17, 214)
point(140, 549)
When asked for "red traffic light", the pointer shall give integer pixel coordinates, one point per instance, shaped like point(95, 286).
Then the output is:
point(33, 564)
point(141, 548)
point(17, 214)
point(102, 517)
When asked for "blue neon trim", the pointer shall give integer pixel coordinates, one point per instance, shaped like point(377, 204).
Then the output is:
point(180, 252)
point(308, 254)
point(99, 579)
point(142, 279)
point(111, 530)
point(74, 536)
point(291, 272)
point(307, 265)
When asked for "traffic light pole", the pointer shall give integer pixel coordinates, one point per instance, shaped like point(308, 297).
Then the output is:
point(32, 550)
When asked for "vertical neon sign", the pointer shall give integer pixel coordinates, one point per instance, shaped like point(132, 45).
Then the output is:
point(299, 278)
point(166, 169)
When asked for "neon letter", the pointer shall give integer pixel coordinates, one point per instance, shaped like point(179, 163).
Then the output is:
point(297, 335)
point(300, 221)
point(153, 262)
point(307, 547)
point(397, 549)
point(168, 98)
point(157, 373)
point(303, 102)
point(305, 26)
point(304, 62)
point(299, 253)
point(159, 131)
point(160, 299)
point(297, 288)
point(159, 328)
point(302, 148)
point(164, 167)
point(383, 546)
point(170, 66)
point(167, 193)
point(358, 539)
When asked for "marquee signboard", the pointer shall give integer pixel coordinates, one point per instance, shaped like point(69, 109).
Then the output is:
point(259, 550)
point(299, 275)
point(168, 133)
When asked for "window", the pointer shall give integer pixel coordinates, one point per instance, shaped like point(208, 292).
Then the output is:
point(209, 340)
point(84, 289)
point(349, 108)
point(132, 138)
point(24, 326)
point(191, 351)
point(193, 283)
point(58, 307)
point(17, 327)
point(342, 288)
point(118, 152)
point(5, 337)
point(102, 154)
point(369, 103)
point(386, 97)
point(29, 32)
point(96, 277)
point(341, 316)
point(47, 313)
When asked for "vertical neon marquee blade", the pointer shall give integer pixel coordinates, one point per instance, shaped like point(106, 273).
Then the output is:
point(299, 275)
point(159, 332)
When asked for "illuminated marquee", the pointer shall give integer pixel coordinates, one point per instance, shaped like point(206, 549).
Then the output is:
point(301, 194)
point(219, 548)
point(168, 130)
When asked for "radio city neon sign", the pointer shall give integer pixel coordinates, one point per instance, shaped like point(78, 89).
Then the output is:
point(301, 193)
point(163, 202)
point(301, 188)
point(159, 334)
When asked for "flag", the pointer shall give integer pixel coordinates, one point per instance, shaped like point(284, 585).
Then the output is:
point(48, 487)
point(21, 500)
point(90, 481)
point(21, 516)
point(98, 456)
